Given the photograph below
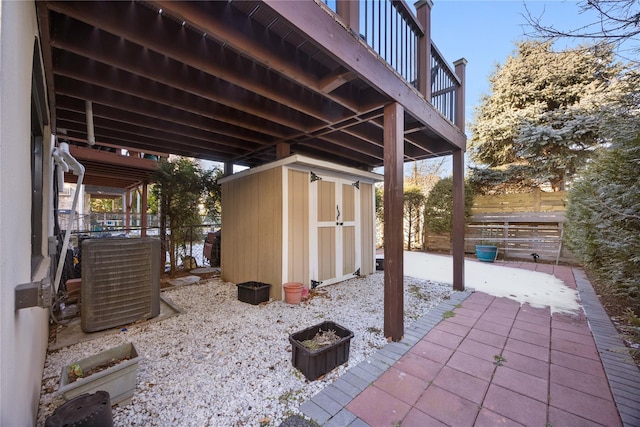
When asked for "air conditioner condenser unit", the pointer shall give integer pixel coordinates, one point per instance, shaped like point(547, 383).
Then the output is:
point(120, 282)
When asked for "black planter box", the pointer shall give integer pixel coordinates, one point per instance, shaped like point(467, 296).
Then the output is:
point(253, 292)
point(314, 363)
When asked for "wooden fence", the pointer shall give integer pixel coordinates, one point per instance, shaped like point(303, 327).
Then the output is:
point(536, 202)
point(519, 224)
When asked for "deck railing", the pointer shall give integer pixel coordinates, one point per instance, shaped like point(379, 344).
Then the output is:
point(444, 84)
point(392, 30)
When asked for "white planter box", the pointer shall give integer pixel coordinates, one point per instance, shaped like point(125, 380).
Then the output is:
point(119, 381)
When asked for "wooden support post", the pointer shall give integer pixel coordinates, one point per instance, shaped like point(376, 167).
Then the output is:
point(423, 13)
point(349, 11)
point(127, 215)
point(228, 168)
point(393, 221)
point(458, 120)
point(458, 183)
point(143, 212)
point(458, 220)
point(138, 202)
point(283, 150)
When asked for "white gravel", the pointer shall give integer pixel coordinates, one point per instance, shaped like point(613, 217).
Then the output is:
point(227, 363)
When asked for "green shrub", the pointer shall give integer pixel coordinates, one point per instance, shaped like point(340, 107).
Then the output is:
point(603, 218)
point(438, 212)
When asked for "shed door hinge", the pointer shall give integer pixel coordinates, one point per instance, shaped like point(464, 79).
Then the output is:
point(315, 283)
point(315, 177)
point(357, 273)
point(356, 184)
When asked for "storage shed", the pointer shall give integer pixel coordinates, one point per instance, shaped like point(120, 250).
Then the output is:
point(298, 220)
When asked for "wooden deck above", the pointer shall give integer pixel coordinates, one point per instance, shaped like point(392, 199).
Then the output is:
point(242, 82)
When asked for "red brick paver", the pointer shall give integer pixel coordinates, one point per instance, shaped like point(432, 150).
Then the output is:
point(496, 363)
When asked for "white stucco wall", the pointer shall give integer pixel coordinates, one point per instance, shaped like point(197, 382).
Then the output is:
point(24, 332)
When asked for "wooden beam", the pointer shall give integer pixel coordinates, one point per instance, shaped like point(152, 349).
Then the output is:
point(393, 221)
point(457, 235)
point(214, 104)
point(85, 143)
point(346, 49)
point(104, 157)
point(335, 79)
point(107, 127)
point(117, 99)
point(337, 149)
point(182, 123)
point(231, 29)
point(126, 56)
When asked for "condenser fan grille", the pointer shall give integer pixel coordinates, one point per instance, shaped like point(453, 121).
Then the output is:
point(120, 281)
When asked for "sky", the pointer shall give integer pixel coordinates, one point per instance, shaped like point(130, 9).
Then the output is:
point(485, 32)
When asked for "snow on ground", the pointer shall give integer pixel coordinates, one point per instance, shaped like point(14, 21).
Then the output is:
point(227, 363)
point(524, 286)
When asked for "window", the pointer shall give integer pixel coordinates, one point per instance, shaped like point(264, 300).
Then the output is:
point(38, 121)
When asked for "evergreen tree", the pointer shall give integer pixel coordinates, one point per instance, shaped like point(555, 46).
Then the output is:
point(603, 209)
point(181, 187)
point(544, 116)
point(413, 203)
point(603, 213)
point(438, 211)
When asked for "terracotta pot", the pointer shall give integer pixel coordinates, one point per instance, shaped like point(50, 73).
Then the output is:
point(293, 292)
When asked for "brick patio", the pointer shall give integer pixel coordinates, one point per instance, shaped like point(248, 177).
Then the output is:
point(494, 362)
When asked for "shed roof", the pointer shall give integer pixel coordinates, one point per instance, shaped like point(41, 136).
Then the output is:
point(308, 163)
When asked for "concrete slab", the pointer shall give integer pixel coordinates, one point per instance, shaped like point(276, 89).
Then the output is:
point(205, 270)
point(71, 333)
point(182, 281)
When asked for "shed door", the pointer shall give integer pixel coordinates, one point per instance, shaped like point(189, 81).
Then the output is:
point(335, 252)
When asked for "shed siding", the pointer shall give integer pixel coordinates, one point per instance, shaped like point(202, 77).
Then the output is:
point(298, 223)
point(268, 235)
point(251, 219)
